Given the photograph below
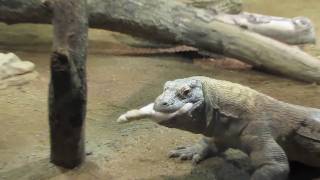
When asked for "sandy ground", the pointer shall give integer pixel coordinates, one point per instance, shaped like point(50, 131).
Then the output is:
point(136, 150)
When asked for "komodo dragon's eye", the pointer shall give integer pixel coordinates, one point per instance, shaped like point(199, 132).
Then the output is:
point(185, 91)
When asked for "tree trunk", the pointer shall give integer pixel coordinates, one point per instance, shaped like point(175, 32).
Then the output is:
point(174, 22)
point(68, 90)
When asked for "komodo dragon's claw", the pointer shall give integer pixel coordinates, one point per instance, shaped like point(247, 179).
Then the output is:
point(196, 153)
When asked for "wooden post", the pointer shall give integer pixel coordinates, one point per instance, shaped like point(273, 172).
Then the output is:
point(68, 89)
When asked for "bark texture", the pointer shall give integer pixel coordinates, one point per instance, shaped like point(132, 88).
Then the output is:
point(297, 30)
point(68, 89)
point(174, 22)
point(218, 6)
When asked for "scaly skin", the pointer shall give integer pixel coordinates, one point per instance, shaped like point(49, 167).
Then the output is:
point(271, 132)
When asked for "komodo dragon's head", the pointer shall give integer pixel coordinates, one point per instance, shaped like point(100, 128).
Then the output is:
point(178, 95)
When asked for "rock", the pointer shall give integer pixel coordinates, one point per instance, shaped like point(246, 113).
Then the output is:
point(14, 71)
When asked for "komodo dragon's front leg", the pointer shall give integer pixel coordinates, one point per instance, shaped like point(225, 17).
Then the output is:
point(205, 148)
point(268, 158)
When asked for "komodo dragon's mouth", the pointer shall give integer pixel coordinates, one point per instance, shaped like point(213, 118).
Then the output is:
point(156, 116)
point(160, 117)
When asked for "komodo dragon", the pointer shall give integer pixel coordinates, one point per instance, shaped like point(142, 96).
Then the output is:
point(271, 132)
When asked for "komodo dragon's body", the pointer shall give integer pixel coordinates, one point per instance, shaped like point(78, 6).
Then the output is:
point(271, 132)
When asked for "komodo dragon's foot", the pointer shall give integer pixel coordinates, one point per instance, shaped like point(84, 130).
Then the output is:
point(196, 153)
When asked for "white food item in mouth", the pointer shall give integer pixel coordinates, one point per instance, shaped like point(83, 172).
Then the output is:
point(165, 116)
point(122, 119)
point(149, 112)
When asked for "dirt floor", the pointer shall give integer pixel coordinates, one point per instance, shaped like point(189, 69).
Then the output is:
point(136, 150)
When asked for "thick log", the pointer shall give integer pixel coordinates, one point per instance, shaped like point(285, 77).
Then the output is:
point(68, 89)
point(174, 22)
point(295, 31)
point(298, 30)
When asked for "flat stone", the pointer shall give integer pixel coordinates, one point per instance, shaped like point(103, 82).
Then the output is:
point(14, 71)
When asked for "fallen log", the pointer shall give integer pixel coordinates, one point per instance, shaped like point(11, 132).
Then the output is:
point(177, 23)
point(297, 30)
